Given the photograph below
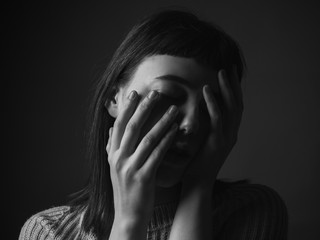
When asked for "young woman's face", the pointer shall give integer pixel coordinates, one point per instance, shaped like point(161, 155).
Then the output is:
point(179, 82)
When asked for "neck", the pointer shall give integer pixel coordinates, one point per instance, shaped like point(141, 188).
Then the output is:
point(166, 195)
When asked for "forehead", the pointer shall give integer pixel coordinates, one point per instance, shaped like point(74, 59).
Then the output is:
point(187, 69)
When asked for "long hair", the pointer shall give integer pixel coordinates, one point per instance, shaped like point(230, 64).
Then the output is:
point(171, 32)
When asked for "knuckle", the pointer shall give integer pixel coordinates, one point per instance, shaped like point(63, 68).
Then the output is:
point(128, 103)
point(117, 166)
point(142, 177)
point(126, 171)
point(114, 162)
point(149, 139)
point(109, 159)
point(116, 123)
point(156, 153)
point(144, 105)
point(166, 119)
point(132, 126)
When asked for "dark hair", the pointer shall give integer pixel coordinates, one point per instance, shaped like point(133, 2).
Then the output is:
point(175, 33)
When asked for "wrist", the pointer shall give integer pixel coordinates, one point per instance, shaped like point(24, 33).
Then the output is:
point(128, 220)
point(195, 192)
point(133, 212)
point(193, 218)
point(198, 184)
point(129, 228)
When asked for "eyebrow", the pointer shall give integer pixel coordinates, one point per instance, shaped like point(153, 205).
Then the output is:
point(175, 78)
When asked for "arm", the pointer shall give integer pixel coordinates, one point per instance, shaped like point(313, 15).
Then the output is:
point(262, 214)
point(193, 219)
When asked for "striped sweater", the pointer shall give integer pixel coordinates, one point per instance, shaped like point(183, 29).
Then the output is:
point(241, 211)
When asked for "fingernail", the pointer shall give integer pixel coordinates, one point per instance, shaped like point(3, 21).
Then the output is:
point(207, 88)
point(173, 110)
point(153, 95)
point(132, 95)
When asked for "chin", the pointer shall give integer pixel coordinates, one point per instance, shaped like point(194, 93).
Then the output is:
point(167, 183)
point(169, 175)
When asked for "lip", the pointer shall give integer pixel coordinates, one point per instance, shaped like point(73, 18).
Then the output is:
point(181, 145)
point(179, 151)
point(176, 158)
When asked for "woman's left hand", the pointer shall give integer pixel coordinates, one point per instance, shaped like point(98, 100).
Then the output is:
point(224, 126)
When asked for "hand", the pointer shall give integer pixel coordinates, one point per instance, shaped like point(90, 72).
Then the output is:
point(224, 126)
point(133, 164)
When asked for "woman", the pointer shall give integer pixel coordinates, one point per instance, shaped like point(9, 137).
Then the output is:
point(164, 117)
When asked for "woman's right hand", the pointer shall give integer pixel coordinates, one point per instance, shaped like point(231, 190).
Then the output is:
point(134, 162)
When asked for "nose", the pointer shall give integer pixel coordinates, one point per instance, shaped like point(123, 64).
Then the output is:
point(189, 120)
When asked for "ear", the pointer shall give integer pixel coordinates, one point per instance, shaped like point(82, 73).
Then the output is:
point(112, 105)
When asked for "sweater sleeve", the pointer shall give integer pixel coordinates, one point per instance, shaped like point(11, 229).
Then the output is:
point(262, 215)
point(42, 224)
point(34, 228)
point(55, 223)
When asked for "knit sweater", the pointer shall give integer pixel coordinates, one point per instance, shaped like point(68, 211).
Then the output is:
point(240, 211)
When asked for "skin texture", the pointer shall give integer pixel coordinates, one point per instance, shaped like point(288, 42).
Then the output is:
point(140, 144)
point(193, 219)
point(189, 100)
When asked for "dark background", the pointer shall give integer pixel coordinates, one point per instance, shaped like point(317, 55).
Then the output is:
point(53, 50)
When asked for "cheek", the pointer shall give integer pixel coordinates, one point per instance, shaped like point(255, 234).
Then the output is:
point(203, 134)
point(203, 131)
point(204, 120)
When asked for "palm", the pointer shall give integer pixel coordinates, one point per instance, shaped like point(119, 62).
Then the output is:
point(223, 129)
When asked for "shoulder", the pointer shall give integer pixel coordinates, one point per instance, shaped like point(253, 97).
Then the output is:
point(243, 193)
point(47, 224)
point(246, 207)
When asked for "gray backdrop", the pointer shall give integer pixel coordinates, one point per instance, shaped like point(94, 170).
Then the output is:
point(54, 50)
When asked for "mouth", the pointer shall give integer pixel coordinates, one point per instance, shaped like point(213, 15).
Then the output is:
point(178, 155)
point(181, 152)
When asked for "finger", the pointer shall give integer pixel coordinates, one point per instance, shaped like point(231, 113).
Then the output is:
point(212, 106)
point(151, 165)
point(109, 141)
point(134, 125)
point(236, 86)
point(122, 120)
point(238, 96)
point(226, 91)
point(153, 137)
point(232, 116)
